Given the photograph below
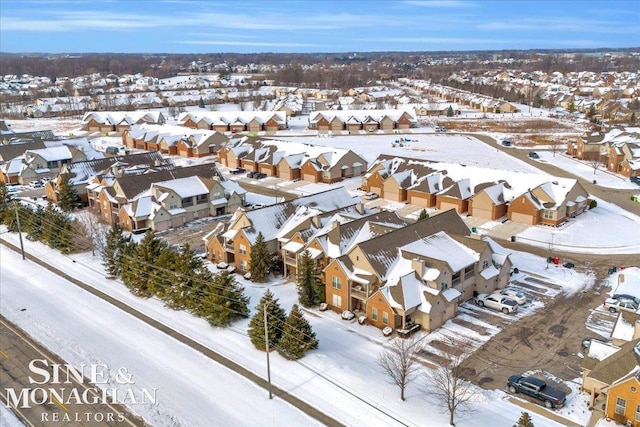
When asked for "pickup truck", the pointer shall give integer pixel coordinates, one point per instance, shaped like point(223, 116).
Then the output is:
point(497, 302)
point(538, 389)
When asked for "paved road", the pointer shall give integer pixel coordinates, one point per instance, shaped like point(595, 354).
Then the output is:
point(217, 357)
point(17, 351)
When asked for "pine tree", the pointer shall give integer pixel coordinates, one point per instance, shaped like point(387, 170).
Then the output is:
point(225, 301)
point(114, 250)
point(571, 107)
point(68, 198)
point(180, 277)
point(450, 111)
point(423, 215)
point(632, 119)
point(276, 318)
point(5, 204)
point(259, 267)
point(139, 272)
point(297, 337)
point(524, 421)
point(33, 227)
point(308, 281)
point(201, 103)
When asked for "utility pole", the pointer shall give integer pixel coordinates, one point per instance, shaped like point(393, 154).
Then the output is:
point(15, 205)
point(266, 339)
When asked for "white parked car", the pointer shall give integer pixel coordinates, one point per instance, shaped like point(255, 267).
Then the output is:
point(35, 184)
point(497, 302)
point(514, 295)
point(371, 196)
point(616, 305)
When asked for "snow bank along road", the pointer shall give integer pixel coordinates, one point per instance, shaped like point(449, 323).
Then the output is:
point(210, 354)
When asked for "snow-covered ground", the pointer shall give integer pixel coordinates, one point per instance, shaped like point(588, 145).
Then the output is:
point(341, 378)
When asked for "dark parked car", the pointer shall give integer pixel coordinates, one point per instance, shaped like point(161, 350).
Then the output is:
point(259, 175)
point(627, 297)
point(539, 389)
point(252, 174)
point(533, 155)
point(635, 179)
point(507, 143)
point(237, 171)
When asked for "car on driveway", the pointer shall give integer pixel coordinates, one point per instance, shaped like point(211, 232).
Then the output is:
point(627, 296)
point(497, 302)
point(514, 295)
point(371, 196)
point(616, 305)
point(533, 155)
point(552, 398)
point(506, 143)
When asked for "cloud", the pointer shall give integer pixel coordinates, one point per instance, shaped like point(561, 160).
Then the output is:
point(243, 43)
point(559, 24)
point(441, 3)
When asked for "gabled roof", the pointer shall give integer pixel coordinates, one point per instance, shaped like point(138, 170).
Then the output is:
point(382, 251)
point(81, 172)
point(617, 365)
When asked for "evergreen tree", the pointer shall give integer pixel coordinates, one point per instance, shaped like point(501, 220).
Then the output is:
point(632, 119)
point(524, 421)
point(139, 272)
point(68, 198)
point(114, 250)
point(297, 336)
point(450, 111)
point(186, 278)
point(571, 107)
point(34, 225)
point(259, 267)
point(423, 215)
point(225, 301)
point(276, 318)
point(5, 204)
point(591, 113)
point(201, 103)
point(308, 281)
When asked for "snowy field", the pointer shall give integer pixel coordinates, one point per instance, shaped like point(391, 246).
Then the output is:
point(341, 377)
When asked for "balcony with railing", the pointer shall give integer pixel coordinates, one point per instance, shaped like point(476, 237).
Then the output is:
point(229, 247)
point(360, 292)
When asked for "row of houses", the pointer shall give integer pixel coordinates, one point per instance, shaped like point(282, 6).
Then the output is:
point(293, 161)
point(524, 198)
point(119, 121)
point(399, 275)
point(174, 140)
point(362, 120)
point(235, 121)
point(618, 149)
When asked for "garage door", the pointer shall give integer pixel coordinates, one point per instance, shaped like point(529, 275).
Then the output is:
point(447, 206)
point(309, 177)
point(374, 189)
point(392, 195)
point(522, 218)
point(482, 213)
point(418, 201)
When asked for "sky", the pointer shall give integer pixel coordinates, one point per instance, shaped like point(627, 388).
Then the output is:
point(297, 26)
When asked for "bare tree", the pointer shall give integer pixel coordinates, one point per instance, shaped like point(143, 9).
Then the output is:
point(446, 383)
point(95, 231)
point(399, 362)
point(596, 163)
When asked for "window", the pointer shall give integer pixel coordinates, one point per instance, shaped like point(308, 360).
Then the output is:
point(485, 264)
point(52, 164)
point(186, 202)
point(173, 205)
point(444, 286)
point(374, 313)
point(242, 249)
point(620, 405)
point(243, 265)
point(638, 413)
point(385, 317)
point(468, 272)
point(547, 214)
point(202, 198)
point(336, 300)
point(336, 282)
point(455, 280)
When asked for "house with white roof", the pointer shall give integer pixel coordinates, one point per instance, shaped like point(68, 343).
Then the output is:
point(354, 121)
point(414, 276)
point(277, 223)
point(47, 162)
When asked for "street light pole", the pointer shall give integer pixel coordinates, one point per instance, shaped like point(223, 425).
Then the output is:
point(15, 205)
point(266, 339)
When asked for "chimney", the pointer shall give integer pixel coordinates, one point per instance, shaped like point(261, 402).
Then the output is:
point(360, 208)
point(334, 234)
point(315, 220)
point(418, 266)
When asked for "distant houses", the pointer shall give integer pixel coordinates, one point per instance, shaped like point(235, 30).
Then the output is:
point(362, 120)
point(532, 200)
point(235, 121)
point(119, 121)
